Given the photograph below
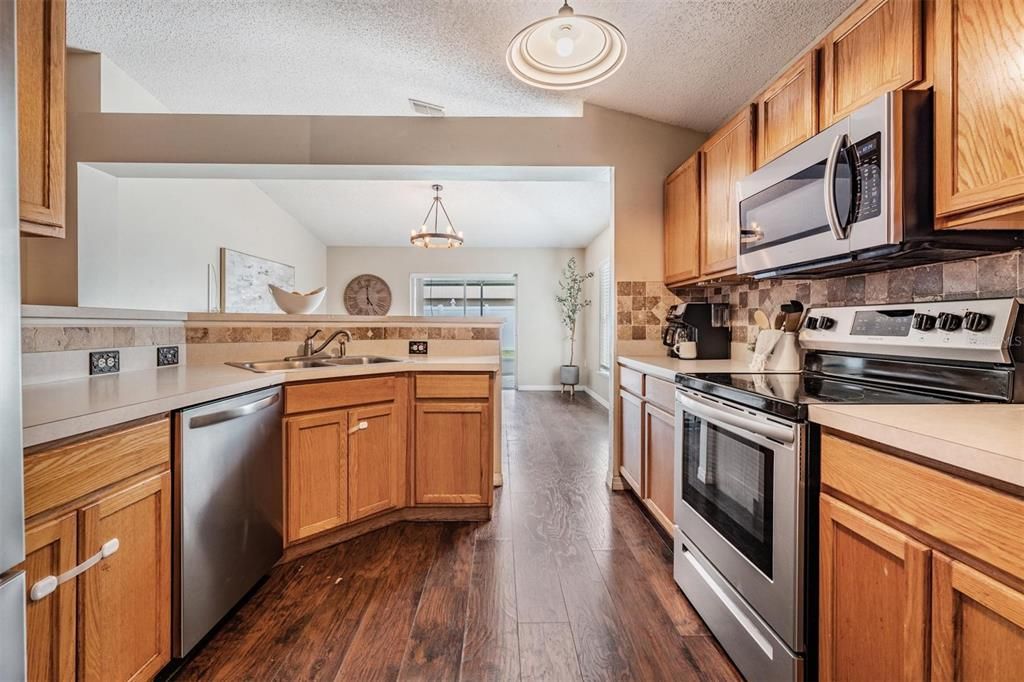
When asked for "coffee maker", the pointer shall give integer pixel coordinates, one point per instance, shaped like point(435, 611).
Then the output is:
point(705, 324)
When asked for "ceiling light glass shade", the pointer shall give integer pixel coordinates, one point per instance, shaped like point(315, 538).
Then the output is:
point(433, 236)
point(566, 52)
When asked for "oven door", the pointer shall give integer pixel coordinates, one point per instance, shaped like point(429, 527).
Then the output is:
point(739, 498)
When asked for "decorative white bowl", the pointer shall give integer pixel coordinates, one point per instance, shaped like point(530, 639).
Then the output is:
point(295, 303)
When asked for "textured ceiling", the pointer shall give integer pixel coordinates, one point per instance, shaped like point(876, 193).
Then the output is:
point(691, 62)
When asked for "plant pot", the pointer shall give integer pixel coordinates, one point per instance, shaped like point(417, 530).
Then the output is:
point(569, 375)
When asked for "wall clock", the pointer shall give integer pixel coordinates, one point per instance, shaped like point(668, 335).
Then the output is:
point(367, 295)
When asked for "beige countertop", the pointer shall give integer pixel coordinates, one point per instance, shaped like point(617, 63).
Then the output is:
point(61, 409)
point(666, 368)
point(983, 439)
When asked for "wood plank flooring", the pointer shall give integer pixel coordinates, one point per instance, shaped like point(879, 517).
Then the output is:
point(568, 581)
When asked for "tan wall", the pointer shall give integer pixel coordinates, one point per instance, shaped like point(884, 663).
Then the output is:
point(642, 152)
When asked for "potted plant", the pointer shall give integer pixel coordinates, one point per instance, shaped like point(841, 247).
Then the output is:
point(572, 303)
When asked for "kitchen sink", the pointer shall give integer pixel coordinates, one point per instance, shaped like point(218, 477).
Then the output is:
point(310, 363)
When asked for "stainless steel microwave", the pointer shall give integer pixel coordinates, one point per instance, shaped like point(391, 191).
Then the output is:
point(855, 197)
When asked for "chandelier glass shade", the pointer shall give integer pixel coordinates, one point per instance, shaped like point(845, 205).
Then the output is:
point(432, 235)
point(566, 52)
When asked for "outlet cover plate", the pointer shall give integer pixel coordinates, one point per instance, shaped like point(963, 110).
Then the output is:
point(417, 348)
point(166, 355)
point(104, 362)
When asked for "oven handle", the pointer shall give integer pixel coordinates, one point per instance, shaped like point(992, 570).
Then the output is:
point(831, 214)
point(708, 410)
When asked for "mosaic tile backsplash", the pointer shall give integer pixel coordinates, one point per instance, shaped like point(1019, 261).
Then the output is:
point(642, 306)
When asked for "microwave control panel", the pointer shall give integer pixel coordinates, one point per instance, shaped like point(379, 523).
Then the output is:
point(869, 177)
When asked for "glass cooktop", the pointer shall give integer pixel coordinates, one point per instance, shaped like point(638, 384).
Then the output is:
point(787, 395)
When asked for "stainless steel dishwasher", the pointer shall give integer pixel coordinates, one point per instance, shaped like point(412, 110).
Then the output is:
point(227, 488)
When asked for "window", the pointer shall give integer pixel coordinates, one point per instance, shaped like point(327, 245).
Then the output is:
point(605, 305)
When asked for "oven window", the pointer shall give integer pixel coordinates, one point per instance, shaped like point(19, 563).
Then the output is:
point(727, 479)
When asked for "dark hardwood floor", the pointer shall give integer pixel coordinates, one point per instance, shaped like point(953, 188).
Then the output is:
point(568, 581)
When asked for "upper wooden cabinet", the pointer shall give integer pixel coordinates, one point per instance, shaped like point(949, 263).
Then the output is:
point(682, 223)
point(876, 49)
point(728, 158)
point(41, 124)
point(979, 113)
point(787, 111)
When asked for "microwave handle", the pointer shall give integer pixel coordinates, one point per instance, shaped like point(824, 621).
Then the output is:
point(838, 229)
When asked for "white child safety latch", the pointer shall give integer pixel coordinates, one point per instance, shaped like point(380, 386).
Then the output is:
point(361, 426)
point(47, 585)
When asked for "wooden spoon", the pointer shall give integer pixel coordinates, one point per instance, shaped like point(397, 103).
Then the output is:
point(780, 320)
point(761, 319)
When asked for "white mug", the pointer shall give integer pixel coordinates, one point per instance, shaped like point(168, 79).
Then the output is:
point(686, 350)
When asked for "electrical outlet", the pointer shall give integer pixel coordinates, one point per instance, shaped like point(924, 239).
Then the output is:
point(104, 362)
point(166, 355)
point(417, 348)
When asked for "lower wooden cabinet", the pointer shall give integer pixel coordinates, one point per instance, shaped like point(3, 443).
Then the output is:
point(631, 440)
point(452, 453)
point(376, 459)
point(51, 549)
point(125, 600)
point(316, 472)
point(659, 448)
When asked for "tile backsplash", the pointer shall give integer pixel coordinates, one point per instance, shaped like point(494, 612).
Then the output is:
point(642, 305)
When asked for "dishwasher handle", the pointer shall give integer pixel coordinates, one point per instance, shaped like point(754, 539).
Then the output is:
point(233, 412)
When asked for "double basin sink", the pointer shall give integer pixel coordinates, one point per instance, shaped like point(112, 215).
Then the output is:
point(310, 363)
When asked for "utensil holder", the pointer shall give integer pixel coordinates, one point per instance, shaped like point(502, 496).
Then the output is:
point(785, 356)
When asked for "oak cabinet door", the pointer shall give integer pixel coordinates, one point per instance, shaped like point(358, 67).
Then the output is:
point(632, 440)
point(659, 447)
point(51, 550)
point(453, 453)
point(874, 584)
point(979, 109)
point(977, 625)
point(682, 223)
point(787, 111)
point(877, 48)
point(728, 158)
point(41, 131)
point(376, 459)
point(124, 600)
point(316, 472)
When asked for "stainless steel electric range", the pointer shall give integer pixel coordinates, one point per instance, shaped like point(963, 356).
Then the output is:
point(746, 478)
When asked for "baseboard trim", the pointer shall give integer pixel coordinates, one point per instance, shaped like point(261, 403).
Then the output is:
point(557, 387)
point(597, 399)
point(618, 483)
point(540, 387)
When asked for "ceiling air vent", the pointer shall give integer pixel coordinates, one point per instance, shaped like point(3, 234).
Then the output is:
point(426, 108)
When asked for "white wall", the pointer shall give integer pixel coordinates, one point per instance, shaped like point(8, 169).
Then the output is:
point(599, 250)
point(541, 338)
point(150, 246)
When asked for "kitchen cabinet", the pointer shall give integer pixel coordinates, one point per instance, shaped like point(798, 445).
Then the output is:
point(682, 223)
point(125, 609)
point(872, 574)
point(50, 549)
point(979, 113)
point(787, 111)
point(631, 440)
point(920, 570)
point(659, 457)
point(977, 624)
point(111, 621)
point(316, 473)
point(376, 459)
point(452, 453)
point(877, 48)
point(728, 156)
point(41, 116)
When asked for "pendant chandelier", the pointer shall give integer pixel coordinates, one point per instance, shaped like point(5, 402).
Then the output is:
point(566, 52)
point(447, 238)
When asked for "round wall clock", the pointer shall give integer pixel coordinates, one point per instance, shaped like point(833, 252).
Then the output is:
point(367, 295)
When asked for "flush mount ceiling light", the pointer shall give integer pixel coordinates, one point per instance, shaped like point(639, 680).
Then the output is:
point(447, 238)
point(566, 52)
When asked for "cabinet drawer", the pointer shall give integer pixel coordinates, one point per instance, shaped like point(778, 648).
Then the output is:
point(453, 386)
point(329, 395)
point(660, 392)
point(64, 474)
point(631, 380)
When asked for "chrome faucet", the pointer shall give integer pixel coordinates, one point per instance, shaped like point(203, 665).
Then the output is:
point(307, 346)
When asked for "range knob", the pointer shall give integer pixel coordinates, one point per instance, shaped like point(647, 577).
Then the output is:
point(949, 322)
point(923, 321)
point(976, 322)
point(811, 323)
point(826, 322)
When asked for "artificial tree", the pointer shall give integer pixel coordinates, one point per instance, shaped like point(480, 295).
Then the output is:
point(571, 303)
